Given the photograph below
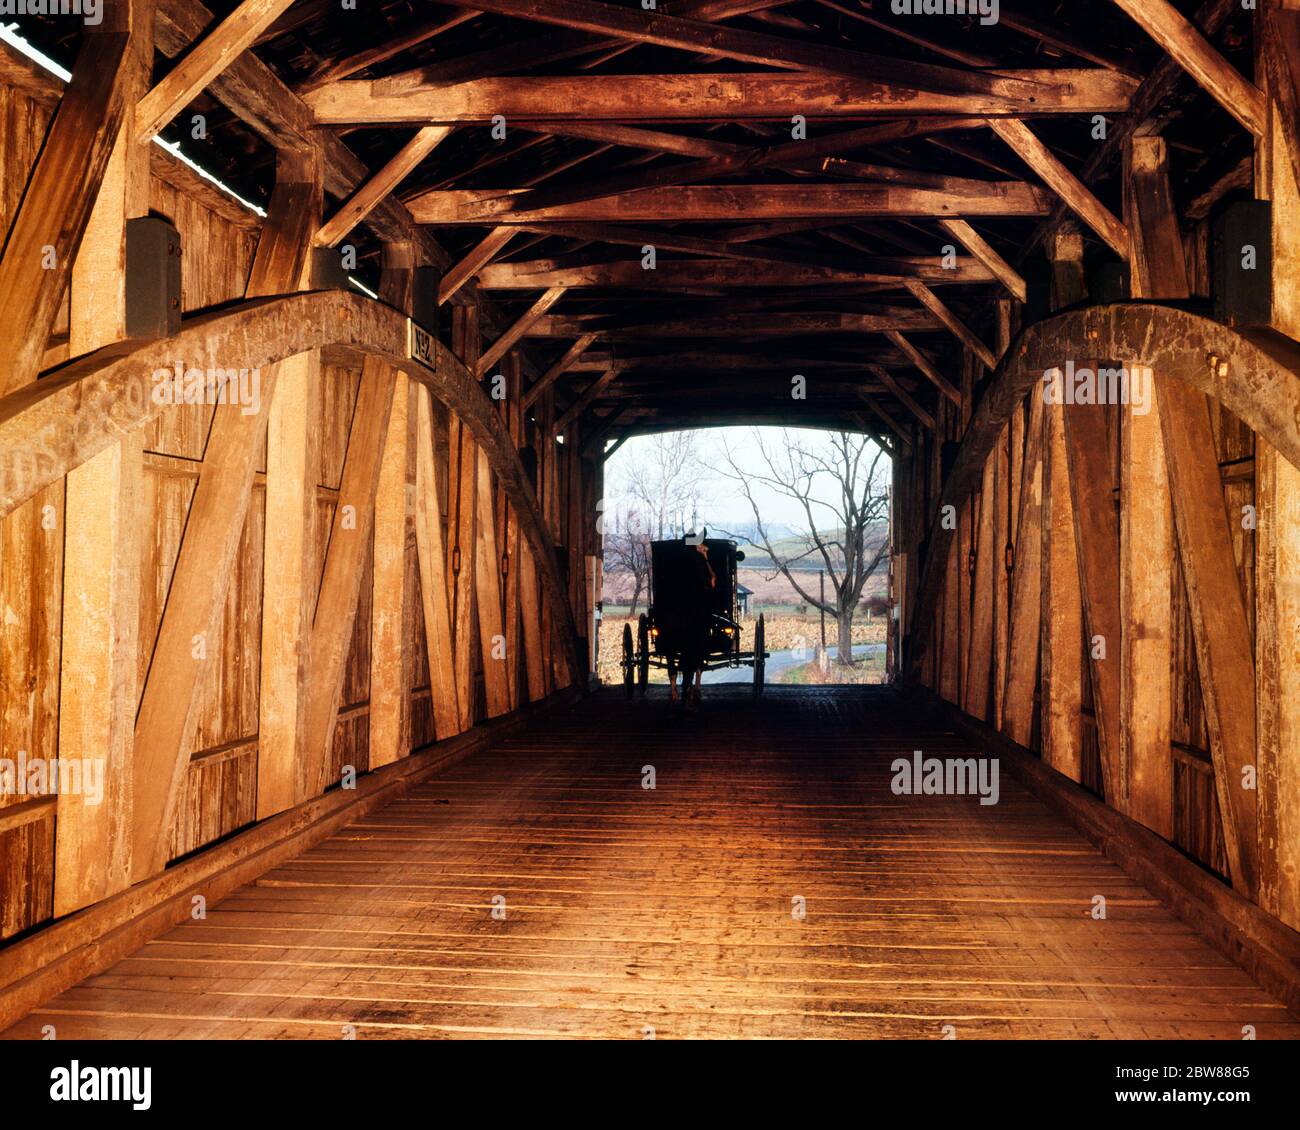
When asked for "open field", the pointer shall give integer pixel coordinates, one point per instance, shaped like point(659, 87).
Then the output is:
point(784, 633)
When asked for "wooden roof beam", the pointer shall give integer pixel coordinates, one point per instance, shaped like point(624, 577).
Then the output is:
point(904, 397)
point(962, 332)
point(538, 50)
point(1063, 182)
point(722, 203)
point(922, 362)
point(759, 48)
point(672, 273)
point(1210, 18)
point(1194, 53)
point(478, 257)
point(331, 70)
point(588, 397)
point(521, 326)
point(218, 49)
point(759, 325)
point(751, 96)
point(370, 195)
point(557, 370)
point(978, 246)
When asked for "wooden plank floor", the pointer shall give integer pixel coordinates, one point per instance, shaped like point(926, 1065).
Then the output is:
point(628, 910)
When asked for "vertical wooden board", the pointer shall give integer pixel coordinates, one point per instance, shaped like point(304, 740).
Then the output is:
point(339, 387)
point(435, 602)
point(1147, 559)
point(1091, 458)
point(340, 644)
point(1062, 615)
point(228, 687)
point(1026, 587)
point(216, 254)
point(487, 572)
point(950, 647)
point(24, 121)
point(1002, 534)
point(289, 580)
point(1277, 651)
point(462, 509)
point(391, 599)
point(1198, 829)
point(534, 626)
point(98, 683)
point(1224, 650)
point(27, 894)
point(355, 694)
point(979, 664)
point(218, 797)
point(31, 615)
point(967, 517)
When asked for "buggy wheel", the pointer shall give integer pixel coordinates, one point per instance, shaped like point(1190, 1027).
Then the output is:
point(760, 657)
point(628, 660)
point(643, 652)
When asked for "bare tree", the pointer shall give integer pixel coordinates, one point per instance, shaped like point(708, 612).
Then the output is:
point(627, 550)
point(665, 480)
point(656, 491)
point(840, 482)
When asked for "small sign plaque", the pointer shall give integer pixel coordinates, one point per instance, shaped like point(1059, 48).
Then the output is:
point(423, 347)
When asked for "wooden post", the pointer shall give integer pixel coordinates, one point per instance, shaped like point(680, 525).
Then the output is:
point(1062, 616)
point(1225, 658)
point(462, 508)
point(290, 568)
point(1026, 588)
point(1059, 590)
point(94, 837)
point(1147, 550)
point(1277, 500)
point(391, 596)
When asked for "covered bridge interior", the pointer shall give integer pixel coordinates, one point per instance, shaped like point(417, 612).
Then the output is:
point(318, 320)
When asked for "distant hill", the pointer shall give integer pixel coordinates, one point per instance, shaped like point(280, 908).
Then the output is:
point(786, 547)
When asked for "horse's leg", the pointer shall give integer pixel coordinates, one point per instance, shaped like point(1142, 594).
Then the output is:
point(672, 681)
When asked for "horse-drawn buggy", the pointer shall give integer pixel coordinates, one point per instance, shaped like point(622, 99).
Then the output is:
point(691, 628)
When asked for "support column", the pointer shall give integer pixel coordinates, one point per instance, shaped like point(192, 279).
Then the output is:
point(99, 688)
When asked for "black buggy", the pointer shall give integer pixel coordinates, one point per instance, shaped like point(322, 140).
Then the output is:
point(653, 645)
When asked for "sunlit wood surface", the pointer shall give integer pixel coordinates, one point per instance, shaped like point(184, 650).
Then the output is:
point(630, 912)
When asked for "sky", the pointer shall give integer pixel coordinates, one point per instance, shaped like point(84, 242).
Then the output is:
point(725, 505)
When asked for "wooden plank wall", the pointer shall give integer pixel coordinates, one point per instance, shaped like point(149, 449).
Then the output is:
point(1195, 825)
point(219, 792)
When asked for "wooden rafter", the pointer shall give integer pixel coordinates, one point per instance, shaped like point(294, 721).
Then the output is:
point(703, 97)
point(1063, 182)
point(978, 246)
point(751, 47)
point(960, 330)
point(519, 328)
point(56, 207)
point(588, 397)
point(758, 201)
point(927, 367)
point(370, 195)
point(559, 368)
point(201, 65)
point(1193, 52)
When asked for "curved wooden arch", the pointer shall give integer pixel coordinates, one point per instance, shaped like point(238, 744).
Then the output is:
point(1254, 374)
point(62, 420)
